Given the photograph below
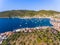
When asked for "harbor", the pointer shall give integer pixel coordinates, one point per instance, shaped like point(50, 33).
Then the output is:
point(53, 21)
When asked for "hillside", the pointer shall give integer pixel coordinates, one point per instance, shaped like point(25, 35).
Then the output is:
point(28, 13)
point(20, 13)
point(47, 36)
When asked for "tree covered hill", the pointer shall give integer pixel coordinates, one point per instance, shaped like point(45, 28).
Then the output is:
point(47, 36)
point(14, 13)
point(28, 13)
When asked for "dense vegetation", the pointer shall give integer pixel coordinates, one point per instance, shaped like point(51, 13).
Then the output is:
point(30, 13)
point(47, 36)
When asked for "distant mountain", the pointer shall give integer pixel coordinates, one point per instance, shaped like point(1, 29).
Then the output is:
point(37, 37)
point(28, 13)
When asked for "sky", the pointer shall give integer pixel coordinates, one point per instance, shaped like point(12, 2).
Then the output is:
point(6, 5)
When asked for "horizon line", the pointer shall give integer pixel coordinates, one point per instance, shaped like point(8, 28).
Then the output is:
point(30, 10)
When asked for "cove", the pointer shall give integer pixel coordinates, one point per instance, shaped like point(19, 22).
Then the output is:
point(10, 24)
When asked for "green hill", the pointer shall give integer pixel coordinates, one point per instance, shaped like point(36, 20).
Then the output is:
point(28, 13)
point(47, 36)
point(14, 13)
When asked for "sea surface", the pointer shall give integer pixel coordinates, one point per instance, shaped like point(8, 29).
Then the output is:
point(10, 24)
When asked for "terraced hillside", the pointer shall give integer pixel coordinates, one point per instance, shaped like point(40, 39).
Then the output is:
point(47, 36)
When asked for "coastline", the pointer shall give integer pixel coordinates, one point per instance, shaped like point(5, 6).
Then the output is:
point(52, 20)
point(25, 17)
point(6, 34)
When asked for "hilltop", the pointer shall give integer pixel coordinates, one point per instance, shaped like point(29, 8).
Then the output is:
point(29, 13)
point(48, 36)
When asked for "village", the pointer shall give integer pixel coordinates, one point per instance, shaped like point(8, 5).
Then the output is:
point(56, 23)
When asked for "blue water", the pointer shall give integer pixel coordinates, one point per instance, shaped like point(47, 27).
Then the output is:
point(10, 24)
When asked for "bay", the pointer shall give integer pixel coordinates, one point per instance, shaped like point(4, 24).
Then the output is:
point(10, 24)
